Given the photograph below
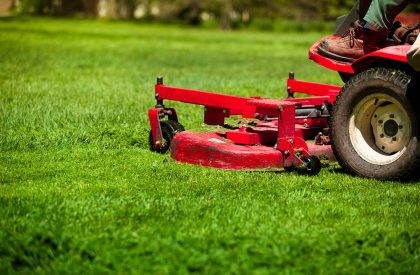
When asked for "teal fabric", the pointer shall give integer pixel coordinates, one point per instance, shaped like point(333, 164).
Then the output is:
point(381, 13)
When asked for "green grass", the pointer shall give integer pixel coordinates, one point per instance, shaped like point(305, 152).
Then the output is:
point(81, 193)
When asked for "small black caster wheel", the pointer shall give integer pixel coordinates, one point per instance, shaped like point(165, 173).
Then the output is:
point(169, 129)
point(310, 166)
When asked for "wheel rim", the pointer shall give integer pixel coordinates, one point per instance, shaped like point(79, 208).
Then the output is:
point(380, 129)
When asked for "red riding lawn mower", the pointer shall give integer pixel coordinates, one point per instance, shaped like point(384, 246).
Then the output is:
point(370, 125)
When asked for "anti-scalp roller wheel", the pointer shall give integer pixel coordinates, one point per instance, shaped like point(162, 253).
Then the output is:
point(169, 129)
point(311, 165)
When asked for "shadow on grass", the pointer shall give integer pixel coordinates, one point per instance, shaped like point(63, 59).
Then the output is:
point(411, 180)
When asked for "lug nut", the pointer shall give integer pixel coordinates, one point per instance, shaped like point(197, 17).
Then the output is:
point(400, 127)
point(380, 121)
point(394, 139)
point(391, 115)
point(382, 135)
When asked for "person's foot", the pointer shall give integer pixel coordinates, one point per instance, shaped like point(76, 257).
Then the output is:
point(355, 43)
point(404, 34)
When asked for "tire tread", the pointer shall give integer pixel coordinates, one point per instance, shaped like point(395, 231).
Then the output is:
point(393, 77)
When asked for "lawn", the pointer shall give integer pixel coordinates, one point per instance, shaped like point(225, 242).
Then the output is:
point(80, 192)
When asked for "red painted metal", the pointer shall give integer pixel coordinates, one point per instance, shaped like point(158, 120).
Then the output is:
point(323, 152)
point(219, 106)
point(326, 62)
point(212, 149)
point(389, 54)
point(215, 116)
point(274, 142)
point(300, 150)
point(286, 133)
point(155, 126)
point(235, 105)
point(312, 88)
point(397, 53)
point(308, 101)
point(286, 123)
point(245, 136)
point(392, 53)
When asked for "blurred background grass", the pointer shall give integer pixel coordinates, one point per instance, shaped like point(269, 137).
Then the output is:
point(284, 15)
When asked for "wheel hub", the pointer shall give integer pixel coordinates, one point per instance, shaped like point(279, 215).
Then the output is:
point(389, 128)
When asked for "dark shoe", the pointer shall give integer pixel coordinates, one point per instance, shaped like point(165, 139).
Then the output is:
point(354, 44)
point(404, 34)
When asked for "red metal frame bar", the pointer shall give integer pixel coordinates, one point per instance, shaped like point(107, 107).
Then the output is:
point(234, 105)
point(312, 88)
point(227, 105)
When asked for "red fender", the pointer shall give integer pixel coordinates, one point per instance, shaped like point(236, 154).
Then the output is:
point(392, 53)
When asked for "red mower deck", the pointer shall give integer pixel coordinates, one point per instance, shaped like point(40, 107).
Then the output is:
point(275, 139)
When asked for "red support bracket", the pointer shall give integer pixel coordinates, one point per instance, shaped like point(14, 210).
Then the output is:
point(244, 136)
point(215, 116)
point(155, 126)
point(285, 110)
point(286, 132)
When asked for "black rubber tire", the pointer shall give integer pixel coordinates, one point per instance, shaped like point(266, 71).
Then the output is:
point(311, 167)
point(169, 129)
point(391, 83)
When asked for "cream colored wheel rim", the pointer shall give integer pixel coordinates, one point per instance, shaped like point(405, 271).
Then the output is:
point(379, 129)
